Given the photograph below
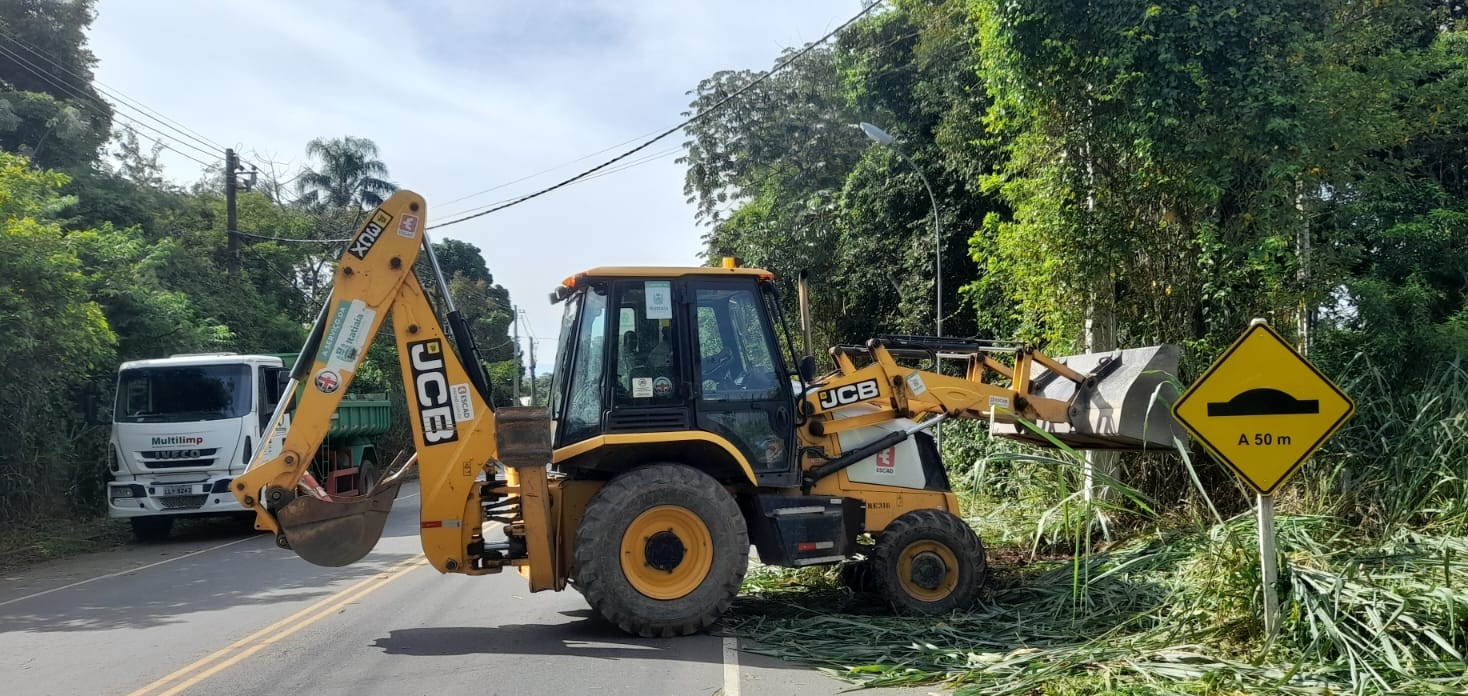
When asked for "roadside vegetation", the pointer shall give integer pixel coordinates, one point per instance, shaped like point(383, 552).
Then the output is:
point(1373, 577)
point(105, 258)
point(1106, 174)
point(1121, 174)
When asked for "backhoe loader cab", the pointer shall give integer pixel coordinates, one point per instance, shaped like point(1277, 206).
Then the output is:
point(677, 436)
point(673, 364)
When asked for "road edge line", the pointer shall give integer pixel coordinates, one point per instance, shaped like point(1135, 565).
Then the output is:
point(33, 595)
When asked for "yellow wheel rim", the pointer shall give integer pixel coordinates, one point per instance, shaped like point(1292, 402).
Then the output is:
point(927, 570)
point(667, 551)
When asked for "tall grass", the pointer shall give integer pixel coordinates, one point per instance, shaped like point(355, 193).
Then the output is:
point(1373, 575)
point(1402, 460)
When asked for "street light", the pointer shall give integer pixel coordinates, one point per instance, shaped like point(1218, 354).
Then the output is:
point(885, 139)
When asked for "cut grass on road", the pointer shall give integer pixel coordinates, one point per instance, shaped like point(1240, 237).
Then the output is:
point(1166, 614)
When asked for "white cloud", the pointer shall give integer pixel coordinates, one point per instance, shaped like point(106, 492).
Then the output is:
point(461, 96)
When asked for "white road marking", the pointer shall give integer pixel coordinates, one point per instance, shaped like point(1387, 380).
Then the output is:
point(731, 667)
point(134, 570)
point(130, 570)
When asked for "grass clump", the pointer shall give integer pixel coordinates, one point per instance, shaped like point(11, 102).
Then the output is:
point(1132, 596)
point(26, 544)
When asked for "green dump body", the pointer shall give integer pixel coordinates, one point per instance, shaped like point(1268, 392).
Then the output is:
point(351, 441)
point(361, 416)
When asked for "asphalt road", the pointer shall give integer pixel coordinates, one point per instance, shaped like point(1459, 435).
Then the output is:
point(218, 610)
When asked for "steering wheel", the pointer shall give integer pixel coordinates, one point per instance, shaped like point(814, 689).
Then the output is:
point(722, 368)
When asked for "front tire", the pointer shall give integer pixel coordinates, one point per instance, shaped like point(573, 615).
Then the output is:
point(661, 551)
point(927, 562)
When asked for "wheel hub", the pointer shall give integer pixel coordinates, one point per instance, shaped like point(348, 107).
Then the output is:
point(928, 571)
point(667, 551)
point(664, 551)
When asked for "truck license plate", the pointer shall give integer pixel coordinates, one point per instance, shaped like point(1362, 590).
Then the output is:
point(177, 490)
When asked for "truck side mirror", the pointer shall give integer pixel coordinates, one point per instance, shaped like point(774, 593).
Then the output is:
point(282, 380)
point(807, 369)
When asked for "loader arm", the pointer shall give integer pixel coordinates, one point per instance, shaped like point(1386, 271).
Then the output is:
point(454, 427)
point(1117, 400)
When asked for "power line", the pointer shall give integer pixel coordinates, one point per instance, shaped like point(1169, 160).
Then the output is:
point(548, 169)
point(265, 238)
point(92, 103)
point(613, 170)
point(696, 117)
point(116, 95)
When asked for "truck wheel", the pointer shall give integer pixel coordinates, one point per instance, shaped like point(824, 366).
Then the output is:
point(152, 528)
point(366, 476)
point(927, 562)
point(661, 551)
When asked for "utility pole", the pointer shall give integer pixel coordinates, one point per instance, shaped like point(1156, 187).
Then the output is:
point(532, 370)
point(231, 218)
point(515, 332)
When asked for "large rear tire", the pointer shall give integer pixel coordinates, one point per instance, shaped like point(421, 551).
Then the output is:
point(927, 562)
point(661, 551)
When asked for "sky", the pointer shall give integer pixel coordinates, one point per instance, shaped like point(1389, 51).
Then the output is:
point(461, 97)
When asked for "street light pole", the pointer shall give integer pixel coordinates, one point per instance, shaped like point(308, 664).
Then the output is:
point(884, 139)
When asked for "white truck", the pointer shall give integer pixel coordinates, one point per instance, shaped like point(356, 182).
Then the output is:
point(184, 426)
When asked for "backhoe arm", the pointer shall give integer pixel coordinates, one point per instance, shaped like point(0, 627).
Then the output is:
point(452, 421)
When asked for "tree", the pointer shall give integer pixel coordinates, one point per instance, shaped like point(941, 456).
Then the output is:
point(49, 109)
point(786, 181)
point(348, 175)
point(53, 337)
point(136, 165)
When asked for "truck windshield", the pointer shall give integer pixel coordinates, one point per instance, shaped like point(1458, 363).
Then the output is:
point(179, 394)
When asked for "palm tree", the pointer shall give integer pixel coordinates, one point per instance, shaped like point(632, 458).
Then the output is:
point(349, 174)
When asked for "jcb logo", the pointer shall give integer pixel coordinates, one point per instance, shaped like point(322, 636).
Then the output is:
point(431, 392)
point(849, 394)
point(364, 241)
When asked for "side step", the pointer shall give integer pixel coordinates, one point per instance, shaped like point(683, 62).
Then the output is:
point(796, 531)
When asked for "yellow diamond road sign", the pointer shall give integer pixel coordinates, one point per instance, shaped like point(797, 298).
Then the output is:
point(1263, 408)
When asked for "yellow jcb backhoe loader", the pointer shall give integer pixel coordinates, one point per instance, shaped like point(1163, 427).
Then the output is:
point(677, 435)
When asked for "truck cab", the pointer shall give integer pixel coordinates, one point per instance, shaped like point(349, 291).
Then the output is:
point(182, 428)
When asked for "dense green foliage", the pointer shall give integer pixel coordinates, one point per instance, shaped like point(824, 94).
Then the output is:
point(103, 259)
point(1132, 173)
point(1171, 170)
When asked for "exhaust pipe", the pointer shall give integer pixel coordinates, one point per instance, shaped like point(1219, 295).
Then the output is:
point(802, 286)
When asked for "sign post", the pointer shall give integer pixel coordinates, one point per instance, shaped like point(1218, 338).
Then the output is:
point(1267, 562)
point(1263, 409)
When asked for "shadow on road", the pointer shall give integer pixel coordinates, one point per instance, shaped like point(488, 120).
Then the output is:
point(588, 635)
point(265, 575)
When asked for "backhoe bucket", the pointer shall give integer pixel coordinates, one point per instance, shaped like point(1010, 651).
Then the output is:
point(1128, 404)
point(338, 532)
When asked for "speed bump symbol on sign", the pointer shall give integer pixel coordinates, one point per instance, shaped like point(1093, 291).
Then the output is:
point(1263, 409)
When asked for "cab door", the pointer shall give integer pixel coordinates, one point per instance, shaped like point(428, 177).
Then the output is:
point(742, 388)
point(649, 392)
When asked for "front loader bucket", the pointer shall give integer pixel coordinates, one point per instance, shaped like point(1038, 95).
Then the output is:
point(338, 532)
point(1128, 405)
